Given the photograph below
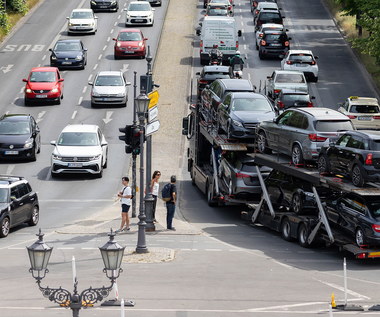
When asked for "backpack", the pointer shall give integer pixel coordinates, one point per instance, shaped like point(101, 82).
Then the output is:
point(166, 192)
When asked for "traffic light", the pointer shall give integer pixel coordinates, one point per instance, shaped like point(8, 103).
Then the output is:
point(135, 140)
point(127, 137)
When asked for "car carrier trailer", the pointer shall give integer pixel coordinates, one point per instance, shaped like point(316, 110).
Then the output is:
point(308, 228)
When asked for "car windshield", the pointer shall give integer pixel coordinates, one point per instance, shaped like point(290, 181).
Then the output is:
point(67, 46)
point(129, 36)
point(301, 58)
point(216, 75)
point(272, 29)
point(82, 15)
point(78, 139)
point(290, 78)
point(139, 7)
point(109, 81)
point(3, 195)
point(251, 104)
point(42, 77)
point(14, 127)
point(292, 98)
point(217, 11)
point(364, 109)
point(375, 145)
point(333, 125)
point(248, 167)
point(373, 205)
point(270, 16)
point(226, 2)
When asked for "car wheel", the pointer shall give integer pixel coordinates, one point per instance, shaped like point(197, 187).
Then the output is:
point(5, 226)
point(323, 164)
point(210, 195)
point(303, 235)
point(297, 204)
point(26, 102)
point(34, 217)
point(297, 156)
point(116, 57)
point(357, 176)
point(229, 132)
point(359, 237)
point(58, 101)
point(33, 157)
point(286, 229)
point(100, 174)
point(262, 144)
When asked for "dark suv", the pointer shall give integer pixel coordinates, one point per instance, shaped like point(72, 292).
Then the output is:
point(289, 98)
point(213, 95)
point(211, 73)
point(274, 44)
point(355, 154)
point(268, 16)
point(18, 203)
point(104, 5)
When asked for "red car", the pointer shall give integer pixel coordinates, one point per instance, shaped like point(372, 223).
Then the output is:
point(43, 84)
point(130, 42)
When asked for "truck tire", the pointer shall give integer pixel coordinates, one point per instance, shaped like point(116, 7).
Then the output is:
point(323, 164)
point(303, 234)
point(286, 229)
point(210, 195)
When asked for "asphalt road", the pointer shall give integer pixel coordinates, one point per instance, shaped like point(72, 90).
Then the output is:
point(231, 269)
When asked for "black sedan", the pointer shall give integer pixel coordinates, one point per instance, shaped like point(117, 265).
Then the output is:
point(104, 5)
point(357, 215)
point(209, 74)
point(19, 137)
point(355, 154)
point(274, 44)
point(68, 54)
point(240, 113)
point(289, 98)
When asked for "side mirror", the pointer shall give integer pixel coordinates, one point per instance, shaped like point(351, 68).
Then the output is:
point(61, 80)
point(282, 17)
point(67, 18)
point(198, 32)
point(103, 144)
point(25, 80)
point(13, 198)
point(185, 126)
point(90, 83)
point(145, 39)
point(239, 33)
point(53, 142)
point(153, 9)
point(115, 39)
point(281, 56)
point(275, 120)
point(95, 17)
point(286, 30)
point(127, 83)
point(312, 97)
point(125, 9)
point(85, 49)
point(198, 73)
point(50, 49)
point(289, 38)
point(316, 57)
point(269, 77)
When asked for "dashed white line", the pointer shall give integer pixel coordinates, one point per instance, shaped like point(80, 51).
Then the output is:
point(84, 89)
point(10, 169)
point(74, 114)
point(89, 77)
point(108, 39)
point(89, 248)
point(119, 17)
point(43, 57)
point(65, 248)
point(115, 23)
point(104, 47)
point(16, 248)
point(100, 57)
point(80, 100)
point(22, 90)
point(213, 250)
point(95, 66)
point(245, 46)
point(249, 75)
point(111, 31)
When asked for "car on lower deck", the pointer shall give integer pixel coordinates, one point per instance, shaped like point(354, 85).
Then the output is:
point(285, 79)
point(289, 98)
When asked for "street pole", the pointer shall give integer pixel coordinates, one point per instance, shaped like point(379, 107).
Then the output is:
point(141, 241)
point(149, 200)
point(134, 156)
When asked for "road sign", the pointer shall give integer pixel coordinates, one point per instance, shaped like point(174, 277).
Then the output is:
point(152, 114)
point(153, 96)
point(152, 127)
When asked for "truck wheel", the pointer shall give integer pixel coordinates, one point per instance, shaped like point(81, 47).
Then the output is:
point(323, 164)
point(210, 195)
point(286, 230)
point(357, 176)
point(359, 237)
point(297, 204)
point(262, 144)
point(297, 156)
point(303, 234)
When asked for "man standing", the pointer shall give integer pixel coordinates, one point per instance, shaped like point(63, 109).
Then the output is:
point(125, 196)
point(170, 205)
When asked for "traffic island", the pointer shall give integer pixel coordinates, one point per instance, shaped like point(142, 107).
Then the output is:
point(155, 255)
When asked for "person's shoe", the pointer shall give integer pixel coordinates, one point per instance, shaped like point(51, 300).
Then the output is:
point(172, 229)
point(119, 230)
point(128, 229)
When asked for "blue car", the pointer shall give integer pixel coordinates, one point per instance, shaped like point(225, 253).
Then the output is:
point(69, 54)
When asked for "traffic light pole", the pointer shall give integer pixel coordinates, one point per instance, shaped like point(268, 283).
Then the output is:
point(134, 156)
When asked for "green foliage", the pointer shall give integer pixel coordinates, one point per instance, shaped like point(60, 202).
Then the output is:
point(19, 6)
point(4, 21)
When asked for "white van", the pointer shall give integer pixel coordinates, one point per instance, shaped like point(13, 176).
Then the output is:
point(221, 31)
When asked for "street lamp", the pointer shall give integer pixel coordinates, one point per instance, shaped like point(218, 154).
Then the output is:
point(142, 103)
point(39, 255)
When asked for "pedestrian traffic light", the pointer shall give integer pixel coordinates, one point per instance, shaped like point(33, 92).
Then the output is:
point(136, 133)
point(127, 137)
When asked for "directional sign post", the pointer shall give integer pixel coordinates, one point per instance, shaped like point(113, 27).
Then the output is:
point(152, 127)
point(153, 96)
point(152, 114)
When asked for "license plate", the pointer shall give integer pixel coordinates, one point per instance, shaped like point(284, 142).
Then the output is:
point(301, 65)
point(365, 118)
point(10, 152)
point(139, 20)
point(275, 44)
point(41, 96)
point(129, 52)
point(66, 63)
point(102, 7)
point(75, 165)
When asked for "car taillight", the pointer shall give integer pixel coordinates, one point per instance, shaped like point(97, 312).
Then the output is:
point(242, 175)
point(316, 138)
point(230, 8)
point(289, 62)
point(201, 44)
point(287, 43)
point(277, 91)
point(263, 43)
point(376, 227)
point(310, 104)
point(368, 159)
point(313, 63)
point(280, 104)
point(351, 117)
point(257, 12)
point(237, 44)
point(203, 81)
point(376, 117)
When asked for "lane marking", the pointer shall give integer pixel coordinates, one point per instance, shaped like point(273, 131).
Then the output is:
point(43, 57)
point(40, 116)
point(80, 100)
point(90, 77)
point(74, 200)
point(100, 56)
point(108, 119)
point(119, 17)
point(10, 169)
point(108, 39)
point(104, 47)
point(111, 31)
point(65, 248)
point(22, 90)
point(90, 248)
point(115, 23)
point(74, 114)
point(341, 288)
point(95, 66)
point(84, 89)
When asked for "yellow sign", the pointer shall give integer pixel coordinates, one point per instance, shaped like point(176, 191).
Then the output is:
point(153, 96)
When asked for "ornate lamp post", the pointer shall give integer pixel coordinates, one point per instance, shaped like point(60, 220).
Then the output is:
point(39, 255)
point(142, 102)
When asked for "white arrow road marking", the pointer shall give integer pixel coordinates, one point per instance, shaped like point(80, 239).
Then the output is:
point(7, 68)
point(108, 117)
point(40, 116)
point(125, 68)
point(10, 169)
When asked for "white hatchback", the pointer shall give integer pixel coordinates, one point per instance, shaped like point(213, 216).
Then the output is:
point(82, 21)
point(139, 12)
point(302, 61)
point(81, 148)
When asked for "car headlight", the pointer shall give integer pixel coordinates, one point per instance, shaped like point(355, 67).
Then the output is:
point(95, 94)
point(93, 2)
point(237, 123)
point(54, 58)
point(122, 94)
point(141, 44)
point(79, 58)
point(54, 90)
point(57, 157)
point(92, 24)
point(113, 2)
point(28, 90)
point(118, 44)
point(28, 144)
point(96, 157)
point(70, 24)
